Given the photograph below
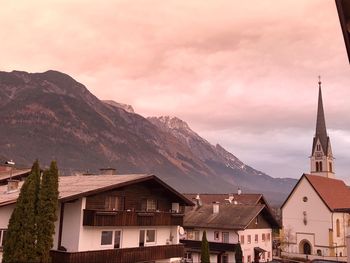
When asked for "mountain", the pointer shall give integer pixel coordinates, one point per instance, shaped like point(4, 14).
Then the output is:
point(51, 116)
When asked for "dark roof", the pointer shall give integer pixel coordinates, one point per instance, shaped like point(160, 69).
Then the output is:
point(245, 199)
point(333, 192)
point(321, 130)
point(13, 173)
point(73, 187)
point(230, 216)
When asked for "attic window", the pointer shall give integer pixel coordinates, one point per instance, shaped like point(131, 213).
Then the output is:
point(305, 199)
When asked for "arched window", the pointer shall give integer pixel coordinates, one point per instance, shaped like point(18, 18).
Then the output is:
point(330, 167)
point(320, 166)
point(316, 166)
point(338, 227)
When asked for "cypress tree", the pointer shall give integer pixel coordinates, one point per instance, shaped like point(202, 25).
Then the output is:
point(47, 212)
point(205, 257)
point(21, 235)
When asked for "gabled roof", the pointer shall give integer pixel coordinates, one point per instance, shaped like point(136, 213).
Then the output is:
point(245, 199)
point(73, 187)
point(333, 192)
point(230, 216)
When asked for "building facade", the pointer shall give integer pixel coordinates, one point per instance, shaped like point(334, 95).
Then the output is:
point(315, 216)
point(239, 219)
point(114, 218)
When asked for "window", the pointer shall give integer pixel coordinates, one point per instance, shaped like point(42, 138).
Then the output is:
point(242, 240)
point(256, 238)
point(188, 257)
point(193, 234)
point(112, 202)
point(149, 205)
point(338, 227)
point(117, 237)
point(147, 236)
point(305, 199)
point(263, 256)
point(249, 259)
point(216, 235)
point(2, 237)
point(249, 239)
point(263, 237)
point(225, 237)
point(320, 166)
point(318, 147)
point(330, 167)
point(317, 168)
point(319, 252)
point(268, 255)
point(268, 236)
point(106, 238)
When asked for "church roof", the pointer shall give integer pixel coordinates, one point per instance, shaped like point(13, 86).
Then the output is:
point(333, 192)
point(321, 131)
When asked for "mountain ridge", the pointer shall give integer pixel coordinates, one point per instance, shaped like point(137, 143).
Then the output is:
point(50, 115)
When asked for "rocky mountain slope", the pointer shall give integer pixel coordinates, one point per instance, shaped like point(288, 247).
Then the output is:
point(51, 116)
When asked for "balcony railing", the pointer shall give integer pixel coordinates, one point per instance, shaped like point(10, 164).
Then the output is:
point(125, 255)
point(131, 218)
point(213, 246)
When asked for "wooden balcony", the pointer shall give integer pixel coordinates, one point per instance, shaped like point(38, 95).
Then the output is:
point(213, 246)
point(131, 218)
point(125, 255)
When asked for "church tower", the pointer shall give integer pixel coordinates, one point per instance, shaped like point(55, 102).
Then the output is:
point(321, 156)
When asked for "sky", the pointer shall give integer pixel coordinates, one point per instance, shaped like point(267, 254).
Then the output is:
point(241, 73)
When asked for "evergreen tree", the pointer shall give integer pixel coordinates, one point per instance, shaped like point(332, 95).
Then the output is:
point(205, 257)
point(48, 203)
point(21, 235)
point(238, 253)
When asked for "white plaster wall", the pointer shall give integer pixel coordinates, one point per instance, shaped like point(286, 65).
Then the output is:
point(318, 216)
point(5, 214)
point(341, 240)
point(248, 249)
point(72, 223)
point(90, 237)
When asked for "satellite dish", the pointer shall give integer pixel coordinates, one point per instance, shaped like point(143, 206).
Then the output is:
point(181, 230)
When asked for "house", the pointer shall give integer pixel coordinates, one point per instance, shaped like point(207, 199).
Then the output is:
point(8, 172)
point(227, 224)
point(315, 215)
point(112, 218)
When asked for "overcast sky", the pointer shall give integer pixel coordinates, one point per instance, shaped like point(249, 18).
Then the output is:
point(241, 73)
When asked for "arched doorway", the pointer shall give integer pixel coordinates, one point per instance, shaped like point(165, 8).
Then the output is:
point(305, 247)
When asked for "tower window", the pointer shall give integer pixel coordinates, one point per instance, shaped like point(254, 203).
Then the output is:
point(318, 147)
point(320, 166)
point(317, 168)
point(330, 167)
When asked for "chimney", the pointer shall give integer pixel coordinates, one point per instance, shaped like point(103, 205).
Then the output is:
point(216, 206)
point(239, 191)
point(108, 171)
point(12, 186)
point(198, 201)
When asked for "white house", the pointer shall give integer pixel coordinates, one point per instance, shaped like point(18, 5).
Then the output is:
point(315, 216)
point(114, 218)
point(247, 222)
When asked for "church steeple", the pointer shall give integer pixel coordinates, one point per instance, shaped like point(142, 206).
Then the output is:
point(321, 156)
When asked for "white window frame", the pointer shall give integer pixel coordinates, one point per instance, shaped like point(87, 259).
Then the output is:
point(2, 232)
point(146, 243)
point(110, 244)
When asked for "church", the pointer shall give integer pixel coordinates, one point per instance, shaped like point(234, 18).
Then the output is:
point(315, 215)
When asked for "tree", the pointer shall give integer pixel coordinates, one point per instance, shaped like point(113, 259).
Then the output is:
point(31, 227)
point(47, 212)
point(205, 257)
point(21, 235)
point(238, 253)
